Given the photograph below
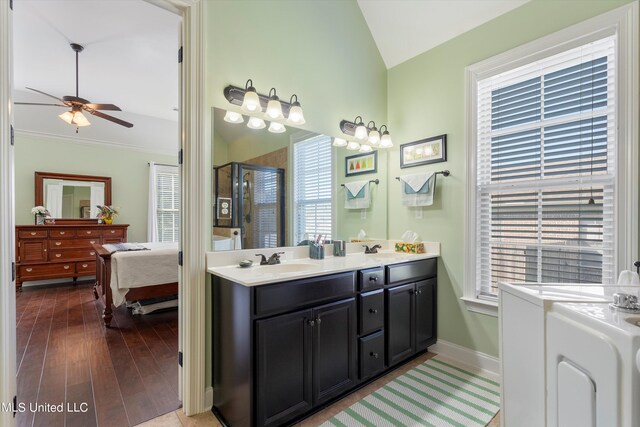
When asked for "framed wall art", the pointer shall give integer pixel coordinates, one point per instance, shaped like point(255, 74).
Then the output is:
point(424, 152)
point(361, 164)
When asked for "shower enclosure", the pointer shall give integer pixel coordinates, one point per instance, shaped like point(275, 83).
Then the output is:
point(250, 197)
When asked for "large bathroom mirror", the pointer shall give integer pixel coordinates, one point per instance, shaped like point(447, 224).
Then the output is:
point(253, 188)
point(70, 197)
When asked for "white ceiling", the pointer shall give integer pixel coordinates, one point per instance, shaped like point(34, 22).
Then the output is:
point(130, 56)
point(403, 29)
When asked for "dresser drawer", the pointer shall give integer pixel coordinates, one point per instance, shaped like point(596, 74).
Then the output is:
point(371, 316)
point(113, 240)
point(44, 269)
point(371, 354)
point(372, 278)
point(72, 255)
point(119, 232)
point(72, 243)
point(32, 234)
point(87, 268)
point(61, 234)
point(89, 232)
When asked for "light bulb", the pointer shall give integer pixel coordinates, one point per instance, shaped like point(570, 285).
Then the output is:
point(256, 123)
point(79, 119)
point(233, 117)
point(251, 102)
point(339, 142)
point(361, 132)
point(296, 116)
point(385, 141)
point(276, 127)
point(67, 116)
point(352, 145)
point(374, 137)
point(364, 148)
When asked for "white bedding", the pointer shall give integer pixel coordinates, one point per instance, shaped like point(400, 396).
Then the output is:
point(135, 269)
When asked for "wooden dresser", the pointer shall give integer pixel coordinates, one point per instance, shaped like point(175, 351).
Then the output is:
point(58, 251)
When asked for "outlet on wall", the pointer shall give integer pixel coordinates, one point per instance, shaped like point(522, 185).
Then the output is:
point(418, 213)
point(363, 214)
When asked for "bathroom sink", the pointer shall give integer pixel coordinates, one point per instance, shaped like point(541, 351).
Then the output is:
point(288, 268)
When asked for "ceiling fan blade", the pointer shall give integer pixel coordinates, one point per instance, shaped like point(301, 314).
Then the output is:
point(110, 118)
point(103, 107)
point(39, 103)
point(75, 99)
point(46, 94)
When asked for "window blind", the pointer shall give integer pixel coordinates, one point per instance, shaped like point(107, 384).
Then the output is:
point(313, 188)
point(168, 203)
point(546, 169)
point(266, 218)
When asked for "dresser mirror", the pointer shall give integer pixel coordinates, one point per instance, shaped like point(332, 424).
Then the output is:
point(72, 198)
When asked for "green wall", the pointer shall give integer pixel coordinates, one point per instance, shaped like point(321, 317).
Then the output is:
point(426, 98)
point(127, 168)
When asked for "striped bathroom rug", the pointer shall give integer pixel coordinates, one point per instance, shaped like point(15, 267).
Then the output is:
point(435, 393)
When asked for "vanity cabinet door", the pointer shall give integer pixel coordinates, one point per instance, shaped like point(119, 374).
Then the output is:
point(283, 364)
point(334, 350)
point(425, 302)
point(400, 329)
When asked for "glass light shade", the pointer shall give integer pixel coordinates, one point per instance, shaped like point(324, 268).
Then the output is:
point(364, 148)
point(251, 102)
point(67, 116)
point(233, 117)
point(296, 117)
point(374, 137)
point(385, 141)
point(361, 132)
point(274, 110)
point(352, 145)
point(339, 142)
point(256, 123)
point(80, 120)
point(275, 127)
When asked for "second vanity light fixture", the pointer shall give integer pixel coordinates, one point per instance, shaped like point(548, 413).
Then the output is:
point(260, 107)
point(364, 138)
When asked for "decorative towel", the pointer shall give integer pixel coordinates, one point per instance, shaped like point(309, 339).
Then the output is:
point(357, 195)
point(418, 189)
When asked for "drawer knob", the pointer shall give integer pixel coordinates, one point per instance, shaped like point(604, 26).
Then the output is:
point(318, 320)
point(85, 265)
point(33, 233)
point(92, 253)
point(418, 292)
point(58, 243)
point(373, 311)
point(311, 322)
point(374, 355)
point(66, 267)
point(62, 233)
point(29, 270)
point(88, 232)
point(373, 278)
point(58, 255)
point(113, 231)
point(92, 241)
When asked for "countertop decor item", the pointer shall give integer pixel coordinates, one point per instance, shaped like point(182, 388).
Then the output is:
point(107, 213)
point(39, 213)
point(424, 152)
point(245, 263)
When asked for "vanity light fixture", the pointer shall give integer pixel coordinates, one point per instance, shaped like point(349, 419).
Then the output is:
point(366, 135)
point(374, 135)
point(296, 116)
point(256, 123)
point(233, 117)
point(385, 140)
point(353, 145)
point(274, 108)
point(365, 148)
point(275, 127)
point(339, 142)
point(251, 101)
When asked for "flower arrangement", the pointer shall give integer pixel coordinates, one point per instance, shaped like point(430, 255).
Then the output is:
point(40, 212)
point(107, 213)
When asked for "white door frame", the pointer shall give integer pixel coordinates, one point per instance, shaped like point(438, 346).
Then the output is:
point(193, 220)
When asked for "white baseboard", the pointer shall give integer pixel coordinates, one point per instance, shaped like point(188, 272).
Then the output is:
point(208, 398)
point(489, 364)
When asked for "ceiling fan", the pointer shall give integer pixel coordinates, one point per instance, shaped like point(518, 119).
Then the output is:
point(77, 105)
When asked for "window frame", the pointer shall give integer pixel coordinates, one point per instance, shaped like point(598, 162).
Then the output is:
point(622, 21)
point(166, 169)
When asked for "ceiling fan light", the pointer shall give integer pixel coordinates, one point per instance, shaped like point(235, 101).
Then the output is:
point(364, 148)
point(352, 145)
point(339, 142)
point(67, 116)
point(256, 123)
point(79, 119)
point(233, 117)
point(275, 127)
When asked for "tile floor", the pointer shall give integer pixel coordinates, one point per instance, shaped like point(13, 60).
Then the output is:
point(178, 419)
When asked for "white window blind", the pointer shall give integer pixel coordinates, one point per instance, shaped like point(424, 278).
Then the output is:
point(168, 203)
point(546, 169)
point(313, 188)
point(266, 218)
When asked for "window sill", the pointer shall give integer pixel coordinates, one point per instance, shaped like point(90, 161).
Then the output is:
point(490, 308)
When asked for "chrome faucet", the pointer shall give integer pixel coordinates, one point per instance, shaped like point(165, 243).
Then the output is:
point(625, 302)
point(273, 259)
point(372, 250)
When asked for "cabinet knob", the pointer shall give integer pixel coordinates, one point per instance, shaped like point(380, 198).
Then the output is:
point(58, 255)
point(66, 267)
point(373, 311)
point(92, 241)
point(311, 322)
point(113, 231)
point(85, 265)
point(29, 270)
point(62, 233)
point(33, 233)
point(374, 355)
point(88, 232)
point(58, 243)
point(418, 292)
point(373, 278)
point(318, 320)
point(92, 253)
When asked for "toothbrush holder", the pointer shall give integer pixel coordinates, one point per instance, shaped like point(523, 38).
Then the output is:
point(316, 251)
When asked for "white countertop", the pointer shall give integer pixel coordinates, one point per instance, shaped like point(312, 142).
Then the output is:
point(225, 264)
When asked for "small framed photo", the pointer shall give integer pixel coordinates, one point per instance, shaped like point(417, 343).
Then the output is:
point(361, 164)
point(85, 212)
point(424, 152)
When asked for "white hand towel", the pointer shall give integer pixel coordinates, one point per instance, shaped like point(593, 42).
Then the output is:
point(628, 278)
point(416, 181)
point(352, 199)
point(355, 187)
point(418, 189)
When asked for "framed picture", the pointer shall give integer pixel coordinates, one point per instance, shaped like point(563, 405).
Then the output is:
point(361, 164)
point(85, 212)
point(424, 152)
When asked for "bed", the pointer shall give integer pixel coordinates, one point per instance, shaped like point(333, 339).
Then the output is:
point(134, 275)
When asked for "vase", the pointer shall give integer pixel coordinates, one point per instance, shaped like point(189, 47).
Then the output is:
point(39, 219)
point(108, 221)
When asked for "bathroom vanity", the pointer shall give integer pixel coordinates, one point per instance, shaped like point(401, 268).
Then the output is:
point(284, 348)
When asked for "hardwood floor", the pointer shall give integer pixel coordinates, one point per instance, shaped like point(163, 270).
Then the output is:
point(114, 377)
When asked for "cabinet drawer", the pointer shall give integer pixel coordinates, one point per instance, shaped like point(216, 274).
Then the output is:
point(61, 234)
point(89, 232)
point(72, 254)
point(288, 296)
point(72, 243)
point(412, 271)
point(371, 312)
point(44, 269)
point(87, 268)
point(32, 234)
point(113, 233)
point(371, 354)
point(370, 279)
